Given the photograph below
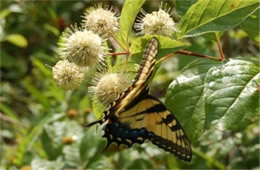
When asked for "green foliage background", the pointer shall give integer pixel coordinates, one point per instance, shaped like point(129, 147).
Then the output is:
point(43, 126)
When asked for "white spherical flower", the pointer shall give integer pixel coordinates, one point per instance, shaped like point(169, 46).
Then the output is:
point(101, 21)
point(82, 47)
point(158, 22)
point(67, 75)
point(107, 87)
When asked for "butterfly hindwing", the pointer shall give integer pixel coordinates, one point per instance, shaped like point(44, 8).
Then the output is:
point(149, 119)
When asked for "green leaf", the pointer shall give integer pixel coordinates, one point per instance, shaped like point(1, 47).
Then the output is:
point(141, 164)
point(46, 165)
point(36, 92)
point(185, 97)
point(52, 29)
point(172, 162)
point(130, 67)
point(32, 136)
point(92, 143)
point(127, 18)
point(84, 104)
point(166, 46)
point(16, 39)
point(251, 26)
point(213, 163)
point(101, 162)
point(215, 15)
point(71, 155)
point(8, 111)
point(54, 134)
point(125, 158)
point(183, 5)
point(51, 149)
point(43, 68)
point(232, 94)
point(98, 108)
point(7, 61)
point(4, 13)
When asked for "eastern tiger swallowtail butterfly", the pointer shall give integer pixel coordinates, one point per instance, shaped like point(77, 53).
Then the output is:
point(137, 116)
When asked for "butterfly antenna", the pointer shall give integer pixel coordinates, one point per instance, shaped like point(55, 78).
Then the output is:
point(93, 123)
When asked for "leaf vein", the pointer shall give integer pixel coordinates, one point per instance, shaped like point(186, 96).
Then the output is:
point(240, 93)
point(220, 8)
point(202, 14)
point(217, 18)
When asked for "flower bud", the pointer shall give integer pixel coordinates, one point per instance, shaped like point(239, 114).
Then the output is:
point(67, 140)
point(72, 113)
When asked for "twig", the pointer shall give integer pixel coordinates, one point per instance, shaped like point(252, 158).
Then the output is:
point(126, 60)
point(123, 53)
point(165, 57)
point(114, 54)
point(189, 53)
point(118, 43)
point(222, 57)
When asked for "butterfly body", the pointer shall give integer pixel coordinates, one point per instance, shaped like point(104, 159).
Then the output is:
point(137, 116)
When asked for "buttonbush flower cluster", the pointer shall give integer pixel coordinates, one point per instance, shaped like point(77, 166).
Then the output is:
point(103, 22)
point(81, 50)
point(158, 22)
point(107, 87)
point(67, 75)
point(81, 46)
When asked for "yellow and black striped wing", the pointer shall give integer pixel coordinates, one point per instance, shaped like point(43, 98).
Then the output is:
point(136, 116)
point(138, 86)
point(148, 119)
point(140, 82)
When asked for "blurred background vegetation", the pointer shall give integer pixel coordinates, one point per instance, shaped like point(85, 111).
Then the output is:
point(42, 126)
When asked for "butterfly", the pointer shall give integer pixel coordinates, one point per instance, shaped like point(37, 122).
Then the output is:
point(137, 116)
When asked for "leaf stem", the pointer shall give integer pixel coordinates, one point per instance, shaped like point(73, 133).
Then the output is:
point(210, 160)
point(114, 54)
point(222, 57)
point(126, 60)
point(165, 57)
point(123, 53)
point(118, 42)
point(189, 53)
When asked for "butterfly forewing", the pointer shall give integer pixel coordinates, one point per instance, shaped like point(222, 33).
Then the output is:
point(139, 85)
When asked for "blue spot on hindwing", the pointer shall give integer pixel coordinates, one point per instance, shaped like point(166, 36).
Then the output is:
point(133, 134)
point(123, 134)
